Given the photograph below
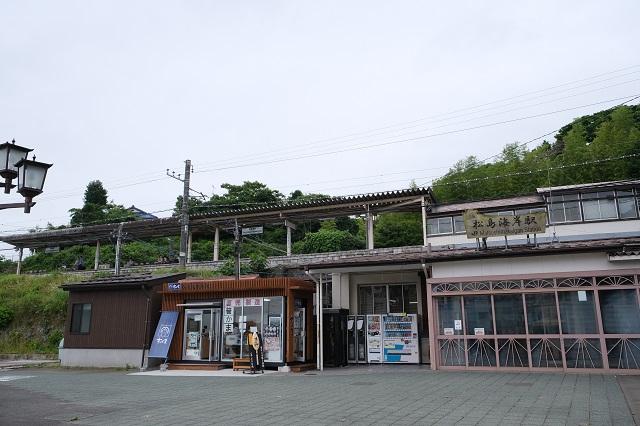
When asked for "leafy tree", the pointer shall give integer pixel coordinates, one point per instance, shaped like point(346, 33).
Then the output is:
point(398, 229)
point(599, 147)
point(95, 194)
point(327, 240)
point(96, 210)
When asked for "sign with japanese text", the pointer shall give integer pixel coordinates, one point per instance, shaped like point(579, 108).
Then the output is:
point(253, 301)
point(174, 286)
point(236, 303)
point(480, 225)
point(252, 231)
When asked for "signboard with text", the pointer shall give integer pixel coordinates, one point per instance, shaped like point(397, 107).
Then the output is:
point(480, 225)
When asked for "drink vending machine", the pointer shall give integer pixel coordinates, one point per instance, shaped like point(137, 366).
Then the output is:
point(374, 338)
point(400, 338)
point(356, 339)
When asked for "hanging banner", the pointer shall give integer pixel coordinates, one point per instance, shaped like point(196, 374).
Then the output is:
point(480, 225)
point(164, 334)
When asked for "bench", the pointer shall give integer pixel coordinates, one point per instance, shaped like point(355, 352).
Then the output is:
point(241, 364)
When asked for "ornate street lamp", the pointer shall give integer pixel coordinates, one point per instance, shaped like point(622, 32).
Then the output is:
point(10, 154)
point(31, 176)
point(30, 173)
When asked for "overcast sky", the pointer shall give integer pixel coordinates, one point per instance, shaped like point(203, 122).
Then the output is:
point(333, 97)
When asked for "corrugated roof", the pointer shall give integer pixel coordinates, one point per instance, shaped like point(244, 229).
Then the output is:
point(404, 200)
point(590, 186)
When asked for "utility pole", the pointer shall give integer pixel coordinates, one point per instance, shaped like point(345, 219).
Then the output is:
point(118, 247)
point(184, 225)
point(236, 251)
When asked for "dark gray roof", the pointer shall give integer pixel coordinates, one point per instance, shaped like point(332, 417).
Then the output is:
point(427, 255)
point(519, 202)
point(124, 281)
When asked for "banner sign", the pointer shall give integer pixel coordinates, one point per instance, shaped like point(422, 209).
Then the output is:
point(252, 231)
point(164, 334)
point(480, 225)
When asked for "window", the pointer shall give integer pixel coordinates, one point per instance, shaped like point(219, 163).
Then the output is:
point(478, 314)
point(542, 315)
point(458, 225)
point(441, 225)
point(577, 312)
point(620, 313)
point(564, 208)
point(383, 299)
point(599, 205)
point(509, 314)
point(627, 204)
point(80, 317)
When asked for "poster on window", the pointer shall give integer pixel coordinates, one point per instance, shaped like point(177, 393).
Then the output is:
point(272, 343)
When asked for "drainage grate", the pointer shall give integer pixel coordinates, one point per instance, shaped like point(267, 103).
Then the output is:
point(364, 383)
point(520, 384)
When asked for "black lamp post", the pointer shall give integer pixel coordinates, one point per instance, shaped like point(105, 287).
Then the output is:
point(30, 173)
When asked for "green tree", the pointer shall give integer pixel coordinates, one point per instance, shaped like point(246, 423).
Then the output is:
point(327, 240)
point(96, 210)
point(398, 229)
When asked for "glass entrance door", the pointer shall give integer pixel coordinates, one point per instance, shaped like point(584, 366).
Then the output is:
point(201, 335)
point(299, 334)
point(192, 334)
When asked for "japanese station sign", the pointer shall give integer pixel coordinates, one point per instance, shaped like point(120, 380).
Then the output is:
point(480, 225)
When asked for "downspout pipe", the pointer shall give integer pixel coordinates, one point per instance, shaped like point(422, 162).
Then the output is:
point(319, 363)
point(146, 327)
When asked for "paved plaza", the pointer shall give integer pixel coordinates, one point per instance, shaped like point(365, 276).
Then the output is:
point(354, 395)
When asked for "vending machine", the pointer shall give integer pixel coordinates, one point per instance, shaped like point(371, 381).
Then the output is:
point(374, 338)
point(356, 341)
point(334, 336)
point(400, 338)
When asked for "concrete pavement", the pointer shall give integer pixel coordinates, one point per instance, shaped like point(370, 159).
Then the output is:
point(358, 395)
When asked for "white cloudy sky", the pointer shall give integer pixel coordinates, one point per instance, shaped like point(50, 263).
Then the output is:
point(334, 97)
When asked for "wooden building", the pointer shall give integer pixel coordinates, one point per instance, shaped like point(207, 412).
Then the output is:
point(216, 316)
point(111, 320)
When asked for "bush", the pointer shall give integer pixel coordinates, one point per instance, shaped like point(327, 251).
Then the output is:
point(53, 340)
point(5, 316)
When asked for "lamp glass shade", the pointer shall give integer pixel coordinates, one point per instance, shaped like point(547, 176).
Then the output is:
point(31, 176)
point(10, 154)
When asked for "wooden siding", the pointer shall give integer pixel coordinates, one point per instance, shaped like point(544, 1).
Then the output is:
point(118, 319)
point(208, 289)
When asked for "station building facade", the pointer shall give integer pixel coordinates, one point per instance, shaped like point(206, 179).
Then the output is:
point(566, 299)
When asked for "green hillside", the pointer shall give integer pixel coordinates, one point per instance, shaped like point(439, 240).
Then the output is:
point(32, 312)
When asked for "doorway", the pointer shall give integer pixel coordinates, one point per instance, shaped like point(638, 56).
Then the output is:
point(299, 334)
point(201, 335)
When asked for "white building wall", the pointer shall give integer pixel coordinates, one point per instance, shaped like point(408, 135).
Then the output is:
point(103, 358)
point(530, 265)
point(340, 291)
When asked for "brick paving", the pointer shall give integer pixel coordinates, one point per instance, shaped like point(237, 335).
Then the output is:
point(354, 395)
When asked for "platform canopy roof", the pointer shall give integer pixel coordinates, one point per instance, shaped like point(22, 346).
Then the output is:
point(327, 208)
